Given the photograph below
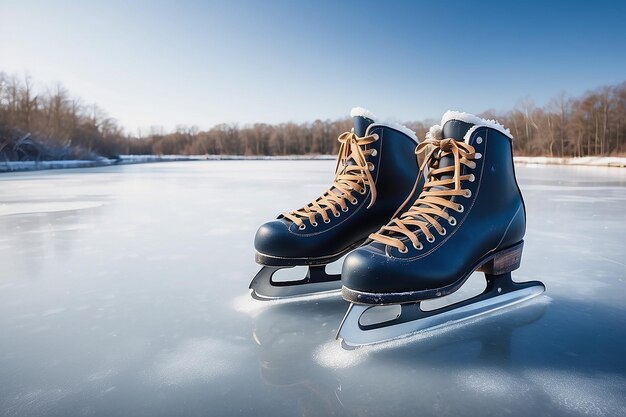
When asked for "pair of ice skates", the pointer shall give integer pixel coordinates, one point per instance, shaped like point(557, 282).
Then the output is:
point(417, 219)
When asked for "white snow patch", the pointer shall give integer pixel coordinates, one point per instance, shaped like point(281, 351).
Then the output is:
point(197, 360)
point(332, 355)
point(492, 382)
point(598, 396)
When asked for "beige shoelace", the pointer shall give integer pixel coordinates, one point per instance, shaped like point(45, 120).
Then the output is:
point(348, 178)
point(431, 205)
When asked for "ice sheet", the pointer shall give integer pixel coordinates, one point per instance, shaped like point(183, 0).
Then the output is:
point(124, 291)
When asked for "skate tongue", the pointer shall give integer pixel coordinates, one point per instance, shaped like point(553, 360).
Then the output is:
point(362, 119)
point(361, 124)
point(453, 129)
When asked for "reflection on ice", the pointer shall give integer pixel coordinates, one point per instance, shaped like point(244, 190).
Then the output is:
point(332, 355)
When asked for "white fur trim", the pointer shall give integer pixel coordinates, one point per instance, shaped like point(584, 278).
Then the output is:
point(397, 127)
point(434, 132)
point(360, 111)
point(477, 121)
point(470, 132)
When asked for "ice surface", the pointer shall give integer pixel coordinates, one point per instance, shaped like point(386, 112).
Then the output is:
point(124, 291)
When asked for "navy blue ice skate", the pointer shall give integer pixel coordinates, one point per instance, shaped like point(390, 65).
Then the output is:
point(469, 217)
point(375, 176)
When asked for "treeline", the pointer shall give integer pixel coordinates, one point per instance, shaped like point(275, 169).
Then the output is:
point(594, 124)
point(51, 124)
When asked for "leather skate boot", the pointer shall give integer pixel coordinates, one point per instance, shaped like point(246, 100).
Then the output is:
point(469, 217)
point(375, 174)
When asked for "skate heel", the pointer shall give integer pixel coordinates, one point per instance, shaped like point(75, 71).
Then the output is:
point(504, 261)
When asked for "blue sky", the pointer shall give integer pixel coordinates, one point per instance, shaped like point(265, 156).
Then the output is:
point(203, 62)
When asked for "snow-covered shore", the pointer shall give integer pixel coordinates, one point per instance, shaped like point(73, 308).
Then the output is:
point(15, 166)
point(596, 161)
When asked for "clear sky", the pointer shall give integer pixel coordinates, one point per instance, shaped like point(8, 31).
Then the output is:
point(203, 62)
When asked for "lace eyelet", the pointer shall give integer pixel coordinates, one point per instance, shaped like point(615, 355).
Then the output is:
point(314, 224)
point(430, 239)
point(473, 166)
point(452, 221)
point(478, 155)
point(472, 178)
point(460, 209)
point(419, 247)
point(375, 136)
point(302, 227)
point(353, 202)
point(371, 166)
point(468, 193)
point(327, 221)
point(443, 232)
point(374, 152)
point(403, 251)
point(479, 140)
point(345, 209)
point(363, 191)
point(337, 214)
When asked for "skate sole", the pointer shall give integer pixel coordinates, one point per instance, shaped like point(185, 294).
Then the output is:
point(270, 260)
point(497, 263)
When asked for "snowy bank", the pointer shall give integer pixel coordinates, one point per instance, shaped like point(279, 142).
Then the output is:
point(15, 166)
point(37, 165)
point(596, 161)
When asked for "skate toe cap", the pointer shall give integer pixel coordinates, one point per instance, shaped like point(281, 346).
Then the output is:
point(366, 270)
point(272, 238)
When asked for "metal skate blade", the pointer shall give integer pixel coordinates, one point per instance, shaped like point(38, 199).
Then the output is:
point(316, 282)
point(412, 319)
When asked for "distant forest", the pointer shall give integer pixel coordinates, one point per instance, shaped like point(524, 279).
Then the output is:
point(51, 124)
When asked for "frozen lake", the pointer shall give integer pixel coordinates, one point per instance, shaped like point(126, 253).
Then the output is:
point(123, 291)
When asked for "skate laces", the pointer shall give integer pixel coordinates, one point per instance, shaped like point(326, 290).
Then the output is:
point(349, 178)
point(435, 198)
